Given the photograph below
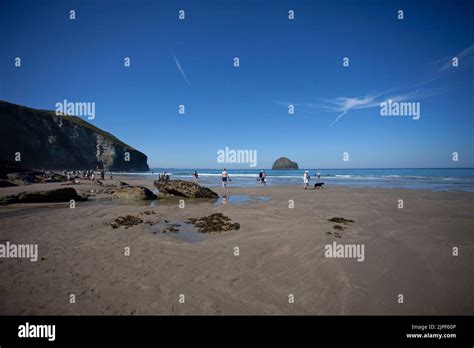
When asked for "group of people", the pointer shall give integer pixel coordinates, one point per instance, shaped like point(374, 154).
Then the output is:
point(85, 174)
point(262, 178)
point(306, 178)
point(225, 178)
point(163, 176)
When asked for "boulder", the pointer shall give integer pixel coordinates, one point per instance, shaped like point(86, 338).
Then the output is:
point(184, 189)
point(284, 163)
point(50, 196)
point(133, 193)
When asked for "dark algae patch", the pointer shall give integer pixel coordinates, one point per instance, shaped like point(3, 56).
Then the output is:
point(217, 222)
point(339, 228)
point(126, 221)
point(335, 234)
point(340, 220)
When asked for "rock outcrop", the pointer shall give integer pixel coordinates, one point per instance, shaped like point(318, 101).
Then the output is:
point(49, 196)
point(45, 140)
point(284, 163)
point(6, 183)
point(133, 193)
point(27, 178)
point(184, 189)
point(12, 174)
point(7, 167)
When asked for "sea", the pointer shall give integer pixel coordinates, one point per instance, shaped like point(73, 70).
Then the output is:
point(433, 179)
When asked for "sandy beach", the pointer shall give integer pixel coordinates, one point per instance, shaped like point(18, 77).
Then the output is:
point(281, 254)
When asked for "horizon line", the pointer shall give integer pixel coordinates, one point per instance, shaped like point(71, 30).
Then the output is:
point(314, 168)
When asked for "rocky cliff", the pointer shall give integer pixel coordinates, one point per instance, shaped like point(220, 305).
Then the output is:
point(45, 140)
point(284, 163)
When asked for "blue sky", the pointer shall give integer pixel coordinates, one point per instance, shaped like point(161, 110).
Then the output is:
point(190, 62)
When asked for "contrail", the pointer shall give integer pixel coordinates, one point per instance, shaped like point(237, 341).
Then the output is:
point(183, 74)
point(337, 119)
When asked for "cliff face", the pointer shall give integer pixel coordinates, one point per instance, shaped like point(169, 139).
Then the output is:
point(48, 141)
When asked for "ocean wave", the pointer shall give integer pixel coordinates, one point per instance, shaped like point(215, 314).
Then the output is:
point(298, 176)
point(242, 175)
point(131, 173)
point(230, 174)
point(141, 173)
point(358, 177)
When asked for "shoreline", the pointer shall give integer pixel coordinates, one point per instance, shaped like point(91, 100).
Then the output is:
point(149, 181)
point(248, 180)
point(431, 179)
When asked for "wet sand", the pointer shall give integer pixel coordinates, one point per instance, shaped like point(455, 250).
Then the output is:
point(408, 251)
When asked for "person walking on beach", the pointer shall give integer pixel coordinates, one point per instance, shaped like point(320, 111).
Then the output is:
point(196, 176)
point(264, 178)
point(318, 175)
point(225, 177)
point(306, 179)
point(260, 177)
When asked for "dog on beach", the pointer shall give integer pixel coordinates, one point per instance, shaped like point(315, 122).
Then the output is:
point(319, 185)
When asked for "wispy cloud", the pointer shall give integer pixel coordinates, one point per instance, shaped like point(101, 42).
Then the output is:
point(343, 105)
point(466, 58)
point(178, 65)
